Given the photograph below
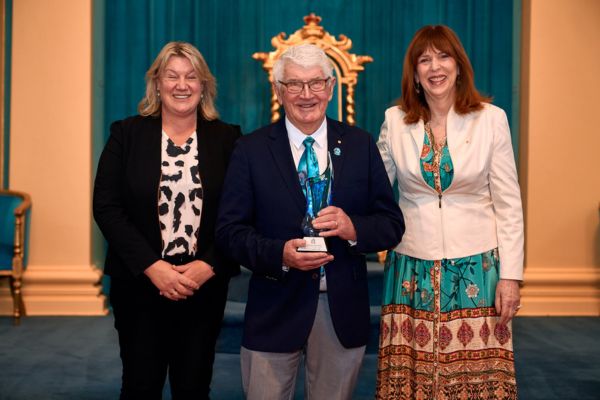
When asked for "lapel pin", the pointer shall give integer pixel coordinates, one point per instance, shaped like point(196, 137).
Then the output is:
point(337, 151)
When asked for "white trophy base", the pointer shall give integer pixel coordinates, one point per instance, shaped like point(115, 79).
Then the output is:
point(314, 244)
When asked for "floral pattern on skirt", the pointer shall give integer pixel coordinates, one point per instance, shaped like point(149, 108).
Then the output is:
point(440, 337)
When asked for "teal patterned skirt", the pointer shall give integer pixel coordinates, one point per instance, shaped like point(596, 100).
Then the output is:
point(469, 282)
point(440, 337)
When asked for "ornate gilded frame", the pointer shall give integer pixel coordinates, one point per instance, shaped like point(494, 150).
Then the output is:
point(347, 65)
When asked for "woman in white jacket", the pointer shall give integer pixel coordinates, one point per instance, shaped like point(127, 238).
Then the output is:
point(451, 286)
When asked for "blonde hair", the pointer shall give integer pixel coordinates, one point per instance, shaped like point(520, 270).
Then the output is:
point(150, 103)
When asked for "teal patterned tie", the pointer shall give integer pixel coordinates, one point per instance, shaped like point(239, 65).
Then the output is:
point(308, 167)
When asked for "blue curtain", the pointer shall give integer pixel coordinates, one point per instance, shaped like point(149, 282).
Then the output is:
point(228, 32)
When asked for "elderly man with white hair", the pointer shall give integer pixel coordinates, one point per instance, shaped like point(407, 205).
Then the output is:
point(290, 184)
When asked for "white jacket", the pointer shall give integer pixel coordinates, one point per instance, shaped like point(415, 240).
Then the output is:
point(480, 210)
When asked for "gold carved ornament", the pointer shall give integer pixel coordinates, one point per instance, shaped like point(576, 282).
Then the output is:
point(347, 65)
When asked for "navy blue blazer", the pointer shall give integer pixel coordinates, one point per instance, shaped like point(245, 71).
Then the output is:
point(262, 207)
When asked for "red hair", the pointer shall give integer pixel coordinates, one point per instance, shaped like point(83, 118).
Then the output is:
point(439, 37)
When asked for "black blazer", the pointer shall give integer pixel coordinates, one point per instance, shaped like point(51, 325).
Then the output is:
point(126, 193)
point(263, 206)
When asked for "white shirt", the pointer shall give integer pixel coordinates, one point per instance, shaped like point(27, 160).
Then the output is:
point(296, 138)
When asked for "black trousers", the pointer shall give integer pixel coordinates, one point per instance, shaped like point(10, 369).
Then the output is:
point(157, 335)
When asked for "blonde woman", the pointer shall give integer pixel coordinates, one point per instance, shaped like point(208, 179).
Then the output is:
point(156, 194)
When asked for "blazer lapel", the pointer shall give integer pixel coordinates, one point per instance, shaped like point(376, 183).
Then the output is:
point(417, 131)
point(336, 147)
point(204, 151)
point(454, 130)
point(282, 155)
point(153, 152)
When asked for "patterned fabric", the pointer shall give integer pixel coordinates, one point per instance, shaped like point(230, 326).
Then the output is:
point(434, 161)
point(180, 196)
point(439, 336)
point(308, 167)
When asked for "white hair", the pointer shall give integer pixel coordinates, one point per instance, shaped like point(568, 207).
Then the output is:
point(305, 56)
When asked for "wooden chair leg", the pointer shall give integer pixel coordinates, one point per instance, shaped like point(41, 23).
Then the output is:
point(18, 305)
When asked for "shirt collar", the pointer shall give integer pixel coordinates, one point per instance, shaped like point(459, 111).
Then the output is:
point(297, 137)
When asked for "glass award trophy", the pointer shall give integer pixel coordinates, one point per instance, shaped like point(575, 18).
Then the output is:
point(318, 196)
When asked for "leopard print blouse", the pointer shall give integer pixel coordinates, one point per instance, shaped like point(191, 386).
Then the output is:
point(180, 196)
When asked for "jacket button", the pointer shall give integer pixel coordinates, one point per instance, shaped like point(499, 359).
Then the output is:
point(315, 276)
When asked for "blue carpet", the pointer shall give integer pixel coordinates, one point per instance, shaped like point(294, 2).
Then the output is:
point(77, 358)
point(557, 358)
